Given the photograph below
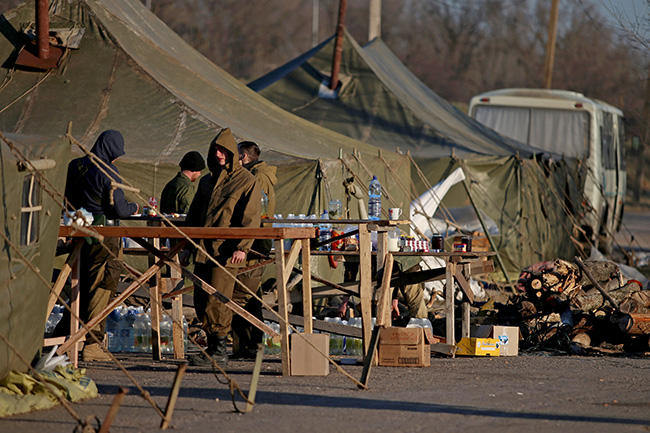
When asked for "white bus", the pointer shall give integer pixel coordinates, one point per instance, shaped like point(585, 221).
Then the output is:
point(567, 123)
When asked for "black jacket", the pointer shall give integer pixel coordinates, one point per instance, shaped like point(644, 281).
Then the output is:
point(86, 186)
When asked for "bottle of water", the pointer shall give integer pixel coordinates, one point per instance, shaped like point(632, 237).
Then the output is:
point(140, 331)
point(112, 329)
point(325, 232)
point(166, 341)
point(127, 330)
point(374, 199)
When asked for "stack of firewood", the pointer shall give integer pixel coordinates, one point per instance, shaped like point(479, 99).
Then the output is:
point(550, 278)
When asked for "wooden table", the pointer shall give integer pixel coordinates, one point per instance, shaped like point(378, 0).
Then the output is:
point(300, 235)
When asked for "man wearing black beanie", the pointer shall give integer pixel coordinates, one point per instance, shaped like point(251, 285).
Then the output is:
point(178, 193)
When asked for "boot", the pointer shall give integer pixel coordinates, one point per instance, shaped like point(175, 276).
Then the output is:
point(217, 350)
point(94, 352)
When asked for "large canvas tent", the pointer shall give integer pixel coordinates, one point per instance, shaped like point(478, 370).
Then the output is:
point(382, 103)
point(132, 73)
point(29, 219)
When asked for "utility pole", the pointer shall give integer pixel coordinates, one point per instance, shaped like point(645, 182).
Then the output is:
point(338, 46)
point(374, 20)
point(314, 22)
point(550, 45)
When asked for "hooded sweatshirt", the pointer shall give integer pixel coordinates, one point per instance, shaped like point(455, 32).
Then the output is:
point(226, 197)
point(87, 186)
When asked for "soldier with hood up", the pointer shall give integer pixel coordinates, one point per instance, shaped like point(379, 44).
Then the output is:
point(88, 186)
point(226, 197)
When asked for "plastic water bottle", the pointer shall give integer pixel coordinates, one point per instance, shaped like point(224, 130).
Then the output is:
point(166, 341)
point(374, 199)
point(325, 232)
point(112, 324)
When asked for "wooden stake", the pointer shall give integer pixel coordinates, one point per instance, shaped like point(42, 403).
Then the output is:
point(173, 396)
point(112, 411)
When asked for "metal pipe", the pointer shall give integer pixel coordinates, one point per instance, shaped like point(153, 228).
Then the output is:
point(42, 29)
point(338, 46)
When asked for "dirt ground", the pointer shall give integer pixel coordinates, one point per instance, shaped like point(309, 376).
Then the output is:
point(537, 392)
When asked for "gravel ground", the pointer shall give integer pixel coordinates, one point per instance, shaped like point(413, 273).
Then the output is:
point(530, 392)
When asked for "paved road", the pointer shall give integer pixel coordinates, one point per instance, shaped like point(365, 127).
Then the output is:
point(635, 224)
point(519, 394)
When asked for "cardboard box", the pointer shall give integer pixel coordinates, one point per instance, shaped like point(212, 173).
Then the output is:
point(304, 359)
point(404, 347)
point(478, 347)
point(508, 337)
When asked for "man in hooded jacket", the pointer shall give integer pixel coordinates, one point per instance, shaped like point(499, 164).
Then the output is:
point(245, 336)
point(226, 197)
point(88, 186)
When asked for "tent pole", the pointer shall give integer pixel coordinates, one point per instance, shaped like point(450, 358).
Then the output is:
point(338, 46)
point(485, 229)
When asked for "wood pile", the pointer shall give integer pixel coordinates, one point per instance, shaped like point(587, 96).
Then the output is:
point(561, 307)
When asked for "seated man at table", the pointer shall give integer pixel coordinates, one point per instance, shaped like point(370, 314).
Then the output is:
point(89, 186)
point(177, 195)
point(226, 197)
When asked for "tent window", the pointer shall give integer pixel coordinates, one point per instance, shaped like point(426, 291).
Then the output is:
point(30, 211)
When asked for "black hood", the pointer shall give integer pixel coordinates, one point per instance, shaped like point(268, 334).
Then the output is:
point(109, 146)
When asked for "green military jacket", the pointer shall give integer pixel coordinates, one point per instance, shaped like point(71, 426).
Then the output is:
point(177, 195)
point(226, 197)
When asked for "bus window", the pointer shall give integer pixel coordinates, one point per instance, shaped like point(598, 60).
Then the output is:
point(607, 142)
point(509, 121)
point(621, 140)
point(560, 131)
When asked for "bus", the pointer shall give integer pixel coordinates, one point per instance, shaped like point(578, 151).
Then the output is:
point(568, 123)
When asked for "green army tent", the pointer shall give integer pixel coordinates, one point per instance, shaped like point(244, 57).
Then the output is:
point(30, 220)
point(130, 72)
point(382, 103)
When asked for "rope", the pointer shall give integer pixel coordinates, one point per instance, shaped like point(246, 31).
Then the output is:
point(428, 185)
point(213, 260)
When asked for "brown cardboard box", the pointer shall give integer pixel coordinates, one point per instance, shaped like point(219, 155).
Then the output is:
point(404, 347)
point(305, 360)
point(508, 337)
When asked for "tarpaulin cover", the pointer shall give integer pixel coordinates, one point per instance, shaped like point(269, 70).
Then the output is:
point(23, 393)
point(380, 102)
point(24, 294)
point(132, 73)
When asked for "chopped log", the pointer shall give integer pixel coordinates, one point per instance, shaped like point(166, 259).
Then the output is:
point(536, 284)
point(583, 339)
point(550, 280)
point(635, 324)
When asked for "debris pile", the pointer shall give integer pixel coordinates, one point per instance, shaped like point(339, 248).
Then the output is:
point(579, 308)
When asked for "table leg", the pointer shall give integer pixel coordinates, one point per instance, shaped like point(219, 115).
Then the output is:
point(282, 304)
point(74, 306)
point(465, 325)
point(449, 303)
point(365, 284)
point(306, 287)
point(156, 306)
point(177, 315)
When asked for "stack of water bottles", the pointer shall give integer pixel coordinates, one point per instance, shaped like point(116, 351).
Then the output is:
point(343, 345)
point(54, 318)
point(129, 330)
point(415, 322)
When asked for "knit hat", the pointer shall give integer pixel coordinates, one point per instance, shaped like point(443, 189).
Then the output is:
point(192, 161)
